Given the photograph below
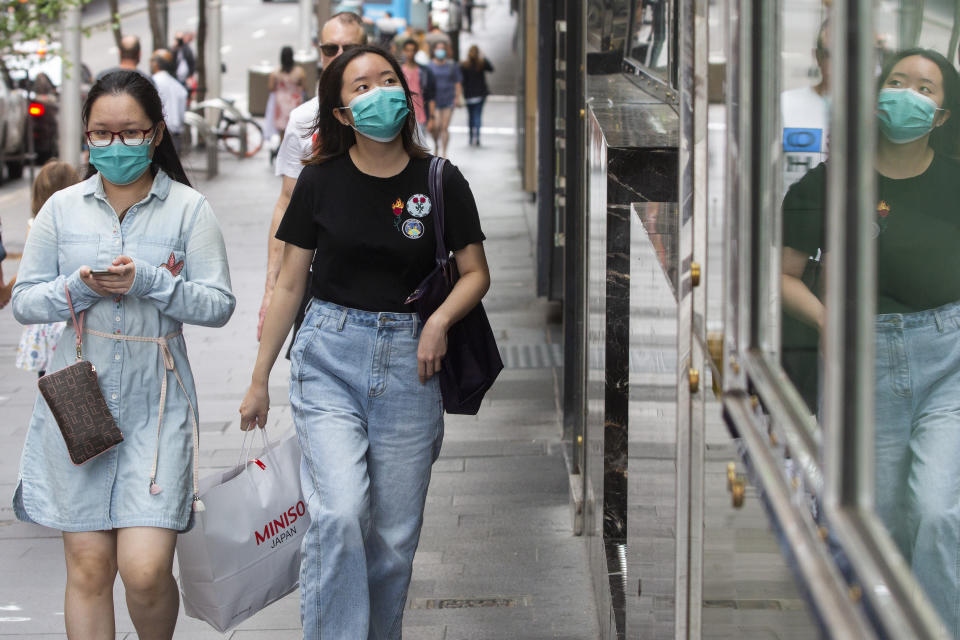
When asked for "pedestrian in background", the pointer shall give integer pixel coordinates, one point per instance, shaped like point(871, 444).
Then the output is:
point(184, 59)
point(474, 70)
point(129, 53)
point(468, 7)
point(422, 87)
point(173, 95)
point(287, 85)
point(121, 511)
point(434, 37)
point(39, 341)
point(388, 28)
point(449, 94)
point(366, 403)
point(341, 32)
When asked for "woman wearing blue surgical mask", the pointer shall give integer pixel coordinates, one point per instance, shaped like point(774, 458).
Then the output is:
point(917, 234)
point(449, 94)
point(365, 400)
point(141, 254)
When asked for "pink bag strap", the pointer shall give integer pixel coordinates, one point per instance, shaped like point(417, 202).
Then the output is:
point(77, 324)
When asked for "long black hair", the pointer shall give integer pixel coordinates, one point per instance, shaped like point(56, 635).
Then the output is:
point(142, 90)
point(944, 139)
point(286, 59)
point(333, 138)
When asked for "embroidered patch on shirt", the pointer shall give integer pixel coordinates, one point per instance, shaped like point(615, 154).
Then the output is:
point(419, 205)
point(397, 212)
point(412, 228)
point(172, 265)
point(883, 212)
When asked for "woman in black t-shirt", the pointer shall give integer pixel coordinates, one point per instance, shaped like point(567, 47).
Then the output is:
point(365, 400)
point(917, 231)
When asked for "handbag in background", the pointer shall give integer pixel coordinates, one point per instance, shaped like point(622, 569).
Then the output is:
point(473, 362)
point(77, 404)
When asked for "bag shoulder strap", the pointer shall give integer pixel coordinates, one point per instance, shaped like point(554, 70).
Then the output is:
point(77, 324)
point(435, 183)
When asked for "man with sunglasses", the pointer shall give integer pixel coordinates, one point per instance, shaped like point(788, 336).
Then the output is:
point(341, 32)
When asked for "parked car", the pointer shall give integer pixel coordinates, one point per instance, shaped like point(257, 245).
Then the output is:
point(36, 68)
point(32, 61)
point(13, 118)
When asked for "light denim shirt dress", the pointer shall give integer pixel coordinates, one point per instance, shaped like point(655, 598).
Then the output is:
point(181, 277)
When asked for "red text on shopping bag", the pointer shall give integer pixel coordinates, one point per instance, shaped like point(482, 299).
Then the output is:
point(281, 529)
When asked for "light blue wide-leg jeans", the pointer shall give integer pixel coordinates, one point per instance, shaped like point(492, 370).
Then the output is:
point(369, 432)
point(918, 447)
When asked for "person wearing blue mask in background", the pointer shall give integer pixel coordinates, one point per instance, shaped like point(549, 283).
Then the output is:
point(917, 232)
point(141, 254)
point(365, 401)
point(449, 94)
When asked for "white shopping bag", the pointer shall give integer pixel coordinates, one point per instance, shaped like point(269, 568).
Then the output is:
point(243, 552)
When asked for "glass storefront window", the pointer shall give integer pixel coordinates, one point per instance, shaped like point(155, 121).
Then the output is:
point(804, 138)
point(649, 35)
point(917, 272)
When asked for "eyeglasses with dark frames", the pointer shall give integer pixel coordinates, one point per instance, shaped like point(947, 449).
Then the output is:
point(331, 50)
point(129, 137)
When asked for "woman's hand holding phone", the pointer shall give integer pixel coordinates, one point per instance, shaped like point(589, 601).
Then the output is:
point(112, 281)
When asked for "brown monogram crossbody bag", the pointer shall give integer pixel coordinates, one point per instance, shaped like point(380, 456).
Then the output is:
point(77, 403)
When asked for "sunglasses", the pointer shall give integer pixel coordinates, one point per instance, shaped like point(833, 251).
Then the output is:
point(331, 50)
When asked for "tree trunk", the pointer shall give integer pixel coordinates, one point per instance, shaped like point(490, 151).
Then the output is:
point(157, 12)
point(115, 21)
point(323, 10)
point(201, 50)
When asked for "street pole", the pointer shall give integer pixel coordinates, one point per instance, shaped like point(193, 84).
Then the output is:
point(69, 120)
point(163, 15)
point(214, 43)
point(305, 41)
point(307, 53)
point(324, 12)
point(214, 79)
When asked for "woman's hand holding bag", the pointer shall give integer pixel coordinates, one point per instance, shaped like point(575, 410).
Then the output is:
point(255, 406)
point(432, 348)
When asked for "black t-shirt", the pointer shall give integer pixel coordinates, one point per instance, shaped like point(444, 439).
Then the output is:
point(374, 237)
point(917, 229)
point(474, 80)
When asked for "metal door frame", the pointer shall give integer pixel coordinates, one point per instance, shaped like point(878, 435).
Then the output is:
point(691, 301)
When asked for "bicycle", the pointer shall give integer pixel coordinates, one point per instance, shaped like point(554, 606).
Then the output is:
point(238, 132)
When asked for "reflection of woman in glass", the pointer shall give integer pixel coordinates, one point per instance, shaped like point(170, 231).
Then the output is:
point(917, 232)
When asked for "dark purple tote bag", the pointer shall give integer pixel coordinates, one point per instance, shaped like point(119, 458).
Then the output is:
point(473, 361)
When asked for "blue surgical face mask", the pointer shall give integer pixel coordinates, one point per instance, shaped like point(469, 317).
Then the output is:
point(905, 115)
point(380, 113)
point(440, 54)
point(121, 164)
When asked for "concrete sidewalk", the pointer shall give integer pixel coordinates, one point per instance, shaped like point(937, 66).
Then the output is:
point(497, 558)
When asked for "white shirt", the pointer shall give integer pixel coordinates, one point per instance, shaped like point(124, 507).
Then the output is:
point(806, 129)
point(174, 99)
point(391, 26)
point(297, 142)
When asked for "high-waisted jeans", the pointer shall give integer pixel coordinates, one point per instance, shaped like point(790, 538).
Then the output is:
point(475, 117)
point(918, 447)
point(369, 431)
